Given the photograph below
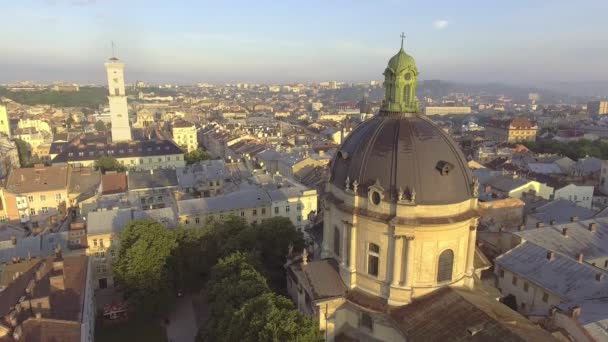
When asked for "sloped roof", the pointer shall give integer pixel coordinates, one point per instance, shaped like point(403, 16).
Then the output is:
point(449, 314)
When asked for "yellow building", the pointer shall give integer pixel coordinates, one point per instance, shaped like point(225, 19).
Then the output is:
point(4, 121)
point(514, 130)
point(103, 229)
point(185, 135)
point(37, 193)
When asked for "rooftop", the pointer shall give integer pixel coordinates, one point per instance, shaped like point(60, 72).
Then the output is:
point(449, 314)
point(38, 179)
point(562, 275)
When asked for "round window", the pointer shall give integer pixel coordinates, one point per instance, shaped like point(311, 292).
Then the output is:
point(376, 197)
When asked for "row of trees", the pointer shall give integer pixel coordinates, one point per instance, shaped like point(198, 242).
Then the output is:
point(572, 149)
point(154, 263)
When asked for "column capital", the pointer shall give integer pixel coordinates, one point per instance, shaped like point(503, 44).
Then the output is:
point(406, 237)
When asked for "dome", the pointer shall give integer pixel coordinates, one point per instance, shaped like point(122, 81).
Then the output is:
point(408, 156)
point(401, 61)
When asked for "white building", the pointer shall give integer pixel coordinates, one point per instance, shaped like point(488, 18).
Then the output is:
point(121, 130)
point(581, 195)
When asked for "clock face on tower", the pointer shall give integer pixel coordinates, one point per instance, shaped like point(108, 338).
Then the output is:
point(408, 76)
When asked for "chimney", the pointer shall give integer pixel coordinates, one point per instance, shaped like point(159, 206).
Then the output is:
point(574, 311)
point(574, 219)
point(599, 276)
point(550, 256)
point(539, 224)
point(593, 227)
point(565, 231)
point(580, 256)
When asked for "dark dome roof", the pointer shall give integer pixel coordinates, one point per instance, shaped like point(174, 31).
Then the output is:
point(404, 151)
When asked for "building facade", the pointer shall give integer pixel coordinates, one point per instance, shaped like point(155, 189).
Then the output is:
point(514, 130)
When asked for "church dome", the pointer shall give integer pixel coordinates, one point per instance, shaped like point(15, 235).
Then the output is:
point(407, 156)
point(401, 61)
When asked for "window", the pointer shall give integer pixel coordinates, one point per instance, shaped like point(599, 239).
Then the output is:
point(445, 265)
point(299, 218)
point(606, 264)
point(287, 208)
point(373, 259)
point(299, 207)
point(43, 198)
point(30, 198)
point(276, 210)
point(58, 197)
point(100, 242)
point(526, 286)
point(263, 211)
point(94, 242)
point(242, 213)
point(197, 220)
point(255, 212)
point(116, 91)
point(32, 211)
point(366, 322)
point(336, 241)
point(514, 280)
point(44, 210)
point(545, 297)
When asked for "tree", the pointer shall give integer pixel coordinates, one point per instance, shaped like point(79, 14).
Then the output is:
point(108, 163)
point(270, 317)
point(24, 152)
point(270, 241)
point(196, 156)
point(243, 308)
point(100, 126)
point(234, 280)
point(142, 266)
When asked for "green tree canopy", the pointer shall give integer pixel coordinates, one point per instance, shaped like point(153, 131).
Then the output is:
point(142, 266)
point(107, 163)
point(100, 126)
point(270, 317)
point(243, 308)
point(196, 156)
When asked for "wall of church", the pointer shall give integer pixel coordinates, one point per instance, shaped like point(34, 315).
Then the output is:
point(407, 265)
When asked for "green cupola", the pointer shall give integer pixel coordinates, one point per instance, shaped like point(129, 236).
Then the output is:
point(400, 83)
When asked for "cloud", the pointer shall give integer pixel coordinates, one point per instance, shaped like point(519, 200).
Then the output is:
point(440, 24)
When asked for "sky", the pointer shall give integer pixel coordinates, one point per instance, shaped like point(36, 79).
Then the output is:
point(284, 41)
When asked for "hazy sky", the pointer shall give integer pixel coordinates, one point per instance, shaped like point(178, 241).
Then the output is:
point(514, 41)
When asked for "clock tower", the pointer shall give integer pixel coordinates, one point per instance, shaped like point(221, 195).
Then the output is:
point(121, 131)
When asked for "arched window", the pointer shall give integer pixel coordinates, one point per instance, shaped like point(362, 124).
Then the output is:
point(337, 241)
point(445, 266)
point(373, 259)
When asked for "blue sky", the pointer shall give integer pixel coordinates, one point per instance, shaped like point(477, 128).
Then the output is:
point(512, 41)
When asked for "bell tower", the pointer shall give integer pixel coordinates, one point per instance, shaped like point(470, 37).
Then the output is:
point(121, 131)
point(400, 81)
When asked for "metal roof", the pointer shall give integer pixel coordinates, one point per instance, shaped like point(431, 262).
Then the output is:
point(403, 152)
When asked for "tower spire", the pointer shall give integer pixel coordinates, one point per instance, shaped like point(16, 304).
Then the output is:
point(114, 55)
point(402, 38)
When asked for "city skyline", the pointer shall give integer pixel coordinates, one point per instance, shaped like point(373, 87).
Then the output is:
point(240, 42)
